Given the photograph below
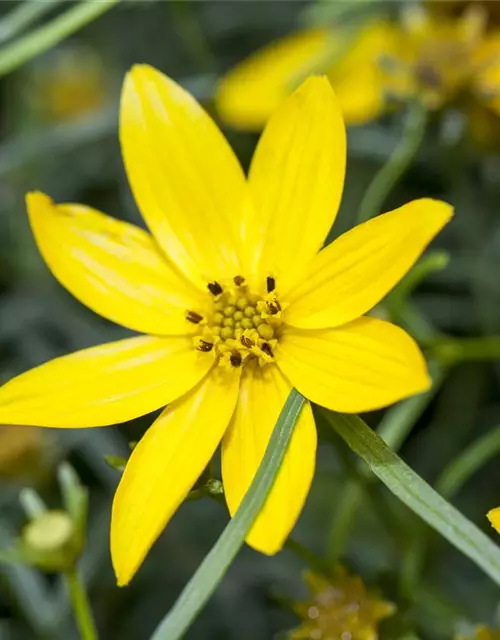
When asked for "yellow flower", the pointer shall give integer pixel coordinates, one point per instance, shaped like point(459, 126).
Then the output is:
point(482, 632)
point(433, 58)
point(341, 607)
point(235, 305)
point(494, 518)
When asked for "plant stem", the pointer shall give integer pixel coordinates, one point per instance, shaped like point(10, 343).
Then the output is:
point(16, 54)
point(81, 606)
point(22, 16)
point(401, 159)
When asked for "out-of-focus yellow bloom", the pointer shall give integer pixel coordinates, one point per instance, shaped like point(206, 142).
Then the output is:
point(70, 84)
point(494, 518)
point(482, 632)
point(236, 303)
point(24, 453)
point(434, 59)
point(340, 607)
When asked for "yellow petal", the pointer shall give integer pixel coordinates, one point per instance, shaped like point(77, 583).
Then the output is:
point(262, 396)
point(494, 518)
point(112, 267)
point(487, 80)
point(250, 93)
point(104, 385)
point(354, 272)
point(187, 182)
point(358, 78)
point(165, 465)
point(296, 179)
point(361, 366)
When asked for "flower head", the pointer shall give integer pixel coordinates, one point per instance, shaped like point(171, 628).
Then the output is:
point(340, 607)
point(234, 303)
point(481, 632)
point(435, 59)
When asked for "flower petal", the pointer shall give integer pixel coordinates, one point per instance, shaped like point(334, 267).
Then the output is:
point(262, 396)
point(494, 517)
point(112, 267)
point(250, 93)
point(358, 78)
point(187, 182)
point(487, 80)
point(361, 366)
point(165, 465)
point(104, 385)
point(296, 179)
point(354, 272)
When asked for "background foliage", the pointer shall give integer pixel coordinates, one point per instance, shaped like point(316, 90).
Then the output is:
point(58, 133)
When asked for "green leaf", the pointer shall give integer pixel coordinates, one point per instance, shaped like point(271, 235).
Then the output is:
point(214, 566)
point(411, 489)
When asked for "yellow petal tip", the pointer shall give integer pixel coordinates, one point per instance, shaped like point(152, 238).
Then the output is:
point(494, 517)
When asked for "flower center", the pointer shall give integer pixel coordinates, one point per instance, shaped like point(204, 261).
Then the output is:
point(239, 325)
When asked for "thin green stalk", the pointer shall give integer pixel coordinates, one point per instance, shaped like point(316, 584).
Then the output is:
point(401, 159)
point(456, 350)
point(23, 15)
point(413, 491)
point(306, 555)
point(456, 474)
point(394, 428)
point(81, 606)
point(216, 563)
point(449, 483)
point(16, 54)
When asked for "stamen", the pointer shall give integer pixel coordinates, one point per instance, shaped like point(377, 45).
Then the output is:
point(266, 348)
point(274, 307)
point(205, 346)
point(239, 280)
point(214, 288)
point(246, 342)
point(271, 284)
point(235, 359)
point(194, 317)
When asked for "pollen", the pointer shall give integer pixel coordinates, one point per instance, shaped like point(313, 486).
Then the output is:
point(239, 324)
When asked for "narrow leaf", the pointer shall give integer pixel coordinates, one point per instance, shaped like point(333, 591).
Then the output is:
point(214, 566)
point(411, 489)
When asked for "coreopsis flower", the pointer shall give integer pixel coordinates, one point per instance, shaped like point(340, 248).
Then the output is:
point(234, 305)
point(482, 632)
point(340, 607)
point(431, 58)
point(494, 518)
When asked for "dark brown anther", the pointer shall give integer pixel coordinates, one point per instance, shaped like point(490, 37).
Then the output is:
point(271, 284)
point(266, 348)
point(205, 346)
point(235, 359)
point(246, 342)
point(274, 307)
point(239, 280)
point(428, 76)
point(214, 288)
point(194, 317)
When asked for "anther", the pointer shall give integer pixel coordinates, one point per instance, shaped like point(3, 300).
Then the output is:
point(238, 280)
point(266, 348)
point(235, 359)
point(205, 346)
point(214, 288)
point(274, 307)
point(194, 317)
point(246, 342)
point(271, 284)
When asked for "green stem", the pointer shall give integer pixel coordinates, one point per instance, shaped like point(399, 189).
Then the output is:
point(216, 563)
point(456, 350)
point(413, 491)
point(456, 474)
point(81, 606)
point(401, 159)
point(394, 428)
point(16, 54)
point(309, 557)
point(23, 15)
